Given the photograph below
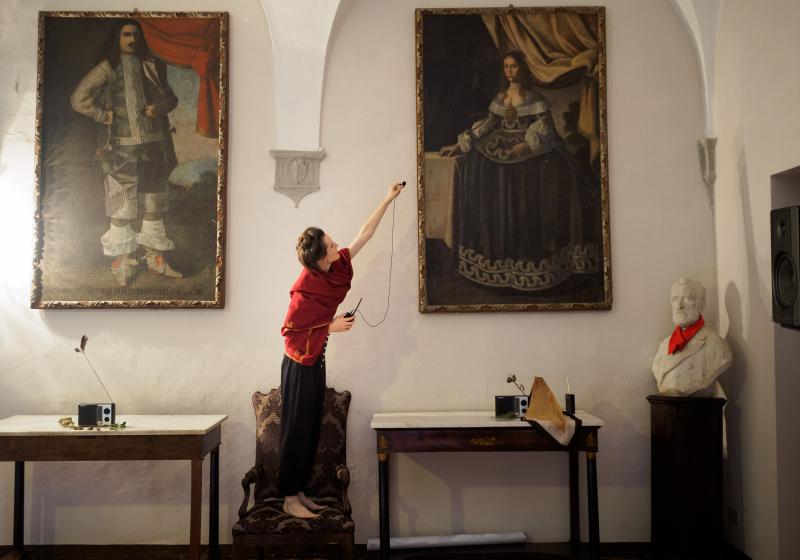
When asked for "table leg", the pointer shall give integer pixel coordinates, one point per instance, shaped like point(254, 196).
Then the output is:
point(383, 504)
point(574, 501)
point(194, 513)
point(19, 506)
point(594, 515)
point(213, 506)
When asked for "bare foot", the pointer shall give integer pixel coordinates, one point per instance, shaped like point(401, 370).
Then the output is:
point(293, 507)
point(309, 503)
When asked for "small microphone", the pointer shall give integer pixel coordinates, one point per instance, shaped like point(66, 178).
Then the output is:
point(403, 184)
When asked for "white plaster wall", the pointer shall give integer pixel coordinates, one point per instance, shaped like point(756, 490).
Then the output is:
point(757, 116)
point(300, 31)
point(702, 21)
point(151, 362)
point(211, 361)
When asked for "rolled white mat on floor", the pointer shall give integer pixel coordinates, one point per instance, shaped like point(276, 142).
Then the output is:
point(450, 540)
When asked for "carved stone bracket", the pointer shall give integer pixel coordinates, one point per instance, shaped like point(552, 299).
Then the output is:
point(297, 172)
point(707, 151)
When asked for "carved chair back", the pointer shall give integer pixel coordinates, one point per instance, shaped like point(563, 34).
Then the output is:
point(331, 451)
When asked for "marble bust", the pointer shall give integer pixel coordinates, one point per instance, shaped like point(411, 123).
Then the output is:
point(689, 361)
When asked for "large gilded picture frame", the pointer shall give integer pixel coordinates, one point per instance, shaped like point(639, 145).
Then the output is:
point(512, 159)
point(131, 155)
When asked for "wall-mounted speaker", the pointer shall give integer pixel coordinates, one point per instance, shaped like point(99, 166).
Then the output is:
point(785, 226)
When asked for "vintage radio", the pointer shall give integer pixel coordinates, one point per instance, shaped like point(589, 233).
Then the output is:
point(96, 414)
point(510, 406)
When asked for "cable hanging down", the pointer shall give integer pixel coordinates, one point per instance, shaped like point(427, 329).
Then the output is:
point(389, 290)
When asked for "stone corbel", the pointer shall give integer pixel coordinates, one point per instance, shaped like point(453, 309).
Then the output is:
point(299, 31)
point(707, 151)
point(297, 172)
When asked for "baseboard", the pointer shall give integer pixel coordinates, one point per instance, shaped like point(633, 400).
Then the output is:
point(615, 551)
point(107, 552)
point(619, 550)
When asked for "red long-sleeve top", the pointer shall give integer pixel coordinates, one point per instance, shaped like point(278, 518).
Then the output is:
point(315, 297)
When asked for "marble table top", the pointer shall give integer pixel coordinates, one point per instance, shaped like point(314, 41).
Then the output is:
point(457, 419)
point(47, 425)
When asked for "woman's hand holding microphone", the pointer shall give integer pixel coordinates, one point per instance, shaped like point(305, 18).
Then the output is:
point(341, 324)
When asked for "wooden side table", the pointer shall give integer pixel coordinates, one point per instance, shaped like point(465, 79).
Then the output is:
point(405, 432)
point(176, 437)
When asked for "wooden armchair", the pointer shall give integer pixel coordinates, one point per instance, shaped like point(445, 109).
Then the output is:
point(264, 530)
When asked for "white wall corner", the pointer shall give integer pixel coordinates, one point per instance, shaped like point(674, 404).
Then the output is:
point(701, 19)
point(299, 31)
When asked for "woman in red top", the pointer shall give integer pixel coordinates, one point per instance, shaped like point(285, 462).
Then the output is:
point(315, 296)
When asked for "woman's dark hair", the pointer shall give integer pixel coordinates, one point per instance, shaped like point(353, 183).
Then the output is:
point(311, 247)
point(110, 50)
point(525, 76)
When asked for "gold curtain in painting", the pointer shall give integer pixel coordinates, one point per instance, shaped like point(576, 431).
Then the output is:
point(559, 48)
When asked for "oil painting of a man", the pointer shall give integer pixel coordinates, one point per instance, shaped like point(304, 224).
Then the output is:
point(129, 185)
point(128, 92)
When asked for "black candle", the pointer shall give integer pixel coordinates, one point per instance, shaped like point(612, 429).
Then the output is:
point(570, 403)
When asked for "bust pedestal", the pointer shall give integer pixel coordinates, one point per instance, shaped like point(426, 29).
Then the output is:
point(686, 477)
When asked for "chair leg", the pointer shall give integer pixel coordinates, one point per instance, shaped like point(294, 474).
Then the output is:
point(242, 550)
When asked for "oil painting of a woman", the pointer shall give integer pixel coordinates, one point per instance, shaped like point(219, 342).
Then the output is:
point(516, 184)
point(514, 207)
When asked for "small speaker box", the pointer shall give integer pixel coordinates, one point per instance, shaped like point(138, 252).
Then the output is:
point(96, 414)
point(510, 406)
point(785, 236)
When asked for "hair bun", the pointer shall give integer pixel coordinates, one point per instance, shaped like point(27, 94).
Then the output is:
point(311, 247)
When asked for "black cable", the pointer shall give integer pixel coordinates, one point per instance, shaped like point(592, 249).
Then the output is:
point(389, 291)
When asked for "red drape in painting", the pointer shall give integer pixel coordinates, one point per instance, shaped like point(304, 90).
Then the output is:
point(191, 43)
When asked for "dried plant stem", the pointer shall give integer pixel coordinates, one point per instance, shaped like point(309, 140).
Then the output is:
point(513, 379)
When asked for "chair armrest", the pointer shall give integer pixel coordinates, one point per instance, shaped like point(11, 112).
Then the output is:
point(343, 474)
point(252, 475)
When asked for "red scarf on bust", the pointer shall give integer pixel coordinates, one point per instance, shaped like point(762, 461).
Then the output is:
point(315, 297)
point(681, 337)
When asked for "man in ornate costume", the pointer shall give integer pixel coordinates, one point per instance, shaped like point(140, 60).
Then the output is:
point(129, 94)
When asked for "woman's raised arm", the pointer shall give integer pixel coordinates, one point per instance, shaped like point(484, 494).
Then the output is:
point(368, 229)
